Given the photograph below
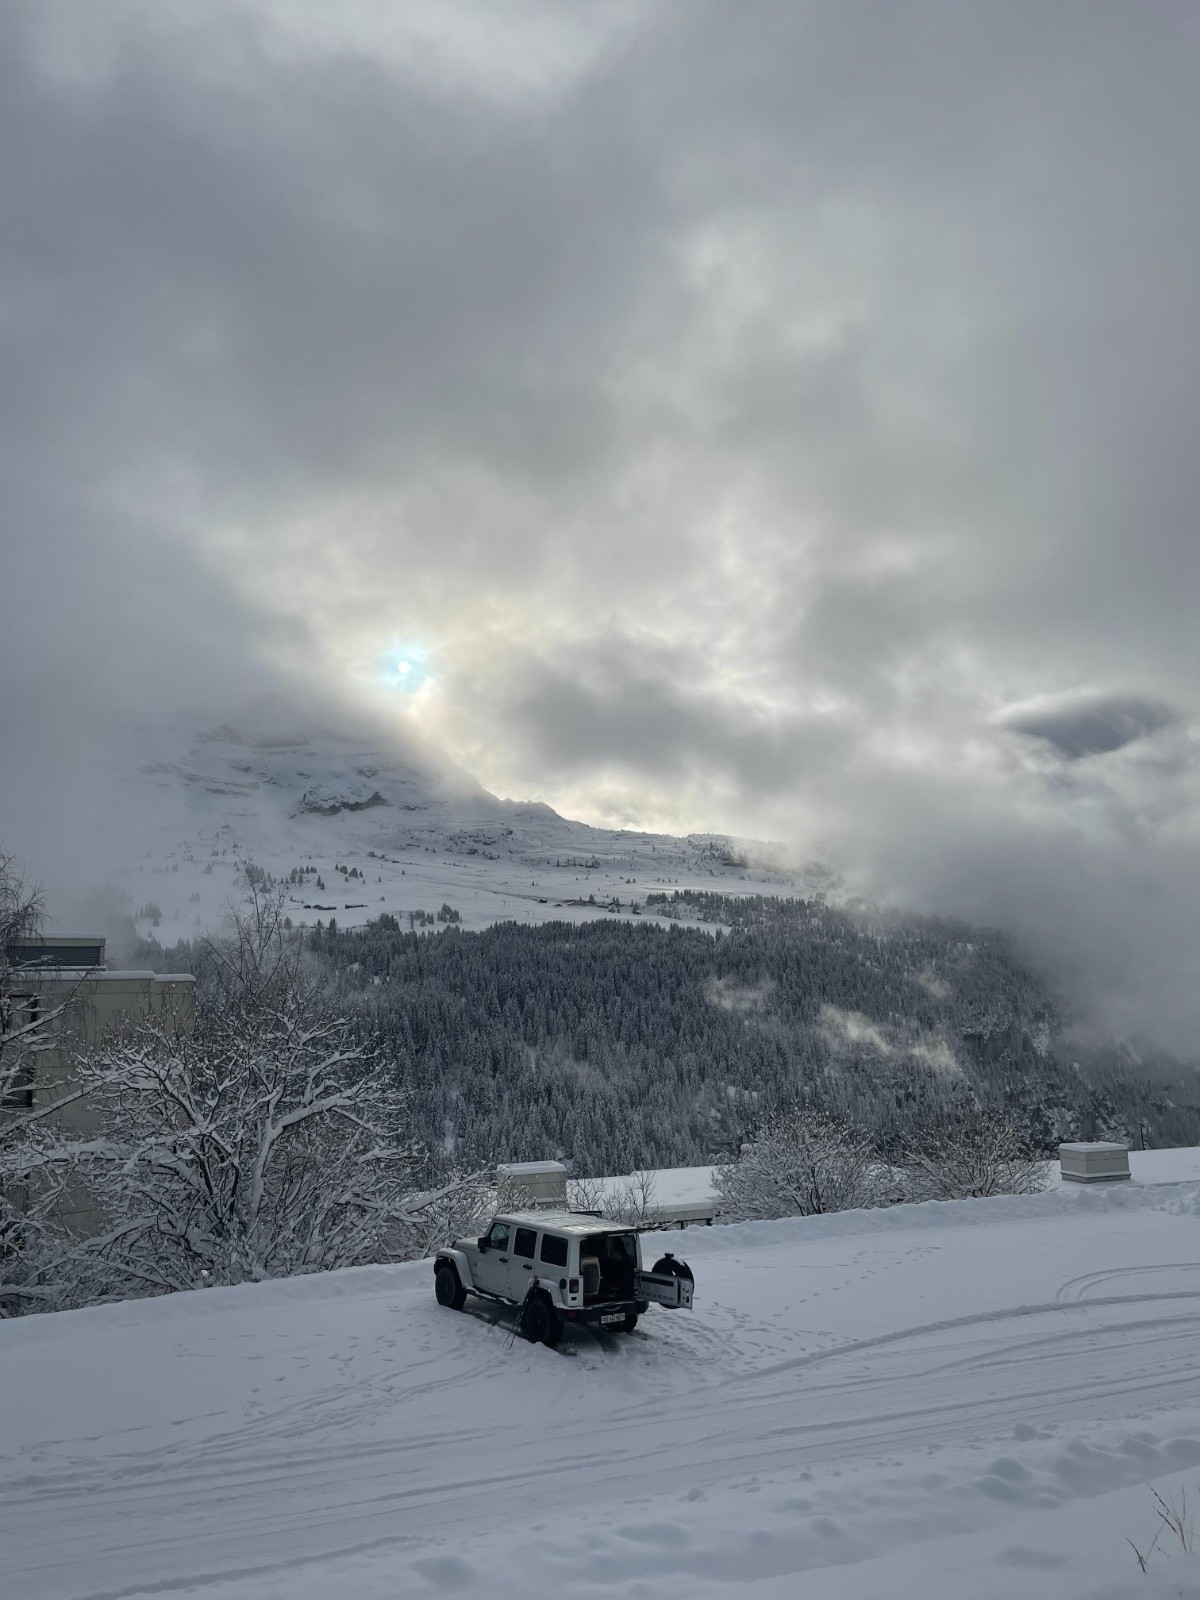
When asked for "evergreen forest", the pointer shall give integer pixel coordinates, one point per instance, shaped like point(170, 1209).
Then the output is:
point(619, 1046)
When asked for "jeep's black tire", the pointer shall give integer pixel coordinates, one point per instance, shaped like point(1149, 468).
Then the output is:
point(540, 1323)
point(448, 1288)
point(631, 1321)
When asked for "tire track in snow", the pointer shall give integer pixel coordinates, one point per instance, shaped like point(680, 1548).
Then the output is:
point(403, 1434)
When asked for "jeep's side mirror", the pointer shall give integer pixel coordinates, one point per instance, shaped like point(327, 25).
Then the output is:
point(483, 1242)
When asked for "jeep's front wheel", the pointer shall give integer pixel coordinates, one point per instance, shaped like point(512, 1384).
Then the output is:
point(540, 1323)
point(448, 1288)
point(631, 1321)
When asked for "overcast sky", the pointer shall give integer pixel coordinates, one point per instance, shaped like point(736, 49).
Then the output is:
point(776, 418)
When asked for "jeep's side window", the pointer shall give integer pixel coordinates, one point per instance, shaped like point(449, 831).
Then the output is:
point(524, 1243)
point(554, 1251)
point(498, 1238)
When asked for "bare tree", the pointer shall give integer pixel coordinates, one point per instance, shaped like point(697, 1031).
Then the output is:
point(451, 1210)
point(633, 1200)
point(966, 1153)
point(586, 1194)
point(267, 1141)
point(801, 1163)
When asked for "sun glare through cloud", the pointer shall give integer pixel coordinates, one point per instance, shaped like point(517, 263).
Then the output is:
point(404, 669)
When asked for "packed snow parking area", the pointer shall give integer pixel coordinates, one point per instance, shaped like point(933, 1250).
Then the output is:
point(920, 1398)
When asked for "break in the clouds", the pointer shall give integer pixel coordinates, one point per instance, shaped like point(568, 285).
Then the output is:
point(775, 417)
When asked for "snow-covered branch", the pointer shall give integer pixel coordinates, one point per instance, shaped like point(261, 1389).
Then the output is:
point(800, 1164)
point(967, 1152)
point(268, 1140)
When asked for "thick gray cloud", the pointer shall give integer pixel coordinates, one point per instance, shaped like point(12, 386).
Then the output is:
point(1093, 725)
point(774, 417)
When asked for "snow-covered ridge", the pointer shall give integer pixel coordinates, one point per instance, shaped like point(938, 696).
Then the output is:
point(292, 791)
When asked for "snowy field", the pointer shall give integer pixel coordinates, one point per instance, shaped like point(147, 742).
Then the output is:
point(928, 1401)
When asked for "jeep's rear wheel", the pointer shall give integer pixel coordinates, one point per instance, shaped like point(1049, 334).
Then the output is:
point(631, 1321)
point(448, 1288)
point(540, 1323)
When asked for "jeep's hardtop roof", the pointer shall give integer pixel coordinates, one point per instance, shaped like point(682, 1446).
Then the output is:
point(562, 1222)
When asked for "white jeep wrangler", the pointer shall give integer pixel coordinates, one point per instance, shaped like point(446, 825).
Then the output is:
point(560, 1267)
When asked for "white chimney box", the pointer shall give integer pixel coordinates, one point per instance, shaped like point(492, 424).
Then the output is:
point(1097, 1162)
point(533, 1183)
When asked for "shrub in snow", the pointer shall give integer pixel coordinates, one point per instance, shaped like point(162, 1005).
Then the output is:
point(800, 1164)
point(965, 1153)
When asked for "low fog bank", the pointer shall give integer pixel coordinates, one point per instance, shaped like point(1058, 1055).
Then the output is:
point(1091, 872)
point(1100, 892)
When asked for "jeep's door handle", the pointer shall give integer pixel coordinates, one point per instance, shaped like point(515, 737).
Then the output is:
point(528, 1267)
point(504, 1258)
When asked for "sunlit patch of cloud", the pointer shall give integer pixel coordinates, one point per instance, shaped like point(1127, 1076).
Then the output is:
point(404, 669)
point(728, 995)
point(852, 1028)
point(933, 985)
point(936, 1056)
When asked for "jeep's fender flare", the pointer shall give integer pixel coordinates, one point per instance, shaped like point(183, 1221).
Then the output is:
point(458, 1260)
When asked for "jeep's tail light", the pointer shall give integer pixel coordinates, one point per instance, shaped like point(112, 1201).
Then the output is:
point(573, 1286)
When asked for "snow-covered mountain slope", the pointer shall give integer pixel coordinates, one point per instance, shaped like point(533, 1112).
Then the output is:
point(930, 1401)
point(283, 789)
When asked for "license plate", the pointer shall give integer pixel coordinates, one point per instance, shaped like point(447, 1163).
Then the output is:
point(613, 1316)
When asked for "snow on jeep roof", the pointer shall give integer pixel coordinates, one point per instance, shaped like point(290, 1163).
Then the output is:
point(563, 1221)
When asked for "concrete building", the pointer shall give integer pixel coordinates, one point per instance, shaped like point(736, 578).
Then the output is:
point(65, 979)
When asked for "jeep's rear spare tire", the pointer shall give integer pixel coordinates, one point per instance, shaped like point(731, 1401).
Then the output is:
point(448, 1288)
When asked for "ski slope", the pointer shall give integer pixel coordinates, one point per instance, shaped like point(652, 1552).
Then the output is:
point(923, 1401)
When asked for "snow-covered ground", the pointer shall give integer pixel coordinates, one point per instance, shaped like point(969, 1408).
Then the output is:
point(191, 804)
point(925, 1401)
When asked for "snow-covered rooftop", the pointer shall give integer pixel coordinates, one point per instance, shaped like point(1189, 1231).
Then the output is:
point(563, 1221)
